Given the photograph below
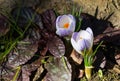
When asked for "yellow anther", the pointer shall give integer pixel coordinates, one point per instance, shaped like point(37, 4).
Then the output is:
point(81, 38)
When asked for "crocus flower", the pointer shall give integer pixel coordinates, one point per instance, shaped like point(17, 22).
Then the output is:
point(82, 40)
point(65, 25)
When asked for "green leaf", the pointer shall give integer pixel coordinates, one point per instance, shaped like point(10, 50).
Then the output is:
point(97, 48)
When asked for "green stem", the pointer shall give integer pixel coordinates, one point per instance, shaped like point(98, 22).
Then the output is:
point(88, 72)
point(16, 74)
point(65, 64)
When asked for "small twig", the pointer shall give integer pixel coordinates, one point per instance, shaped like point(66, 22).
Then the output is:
point(38, 73)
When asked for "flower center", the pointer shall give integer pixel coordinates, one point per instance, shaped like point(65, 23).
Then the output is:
point(81, 38)
point(66, 25)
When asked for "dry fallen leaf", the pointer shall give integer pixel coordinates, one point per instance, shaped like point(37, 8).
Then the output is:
point(117, 58)
point(76, 57)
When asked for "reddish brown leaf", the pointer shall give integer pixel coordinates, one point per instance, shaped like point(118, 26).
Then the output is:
point(57, 70)
point(49, 19)
point(43, 48)
point(21, 54)
point(28, 68)
point(56, 47)
point(7, 74)
point(25, 15)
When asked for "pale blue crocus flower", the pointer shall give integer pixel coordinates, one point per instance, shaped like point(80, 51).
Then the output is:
point(82, 40)
point(65, 25)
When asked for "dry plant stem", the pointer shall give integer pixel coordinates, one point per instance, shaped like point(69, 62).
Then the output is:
point(39, 71)
point(17, 73)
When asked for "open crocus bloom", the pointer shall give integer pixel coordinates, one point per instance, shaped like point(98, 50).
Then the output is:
point(65, 25)
point(82, 40)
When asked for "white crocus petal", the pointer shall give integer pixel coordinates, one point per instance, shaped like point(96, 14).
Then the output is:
point(63, 32)
point(64, 19)
point(57, 21)
point(75, 45)
point(73, 22)
point(65, 23)
point(81, 46)
point(86, 36)
point(89, 30)
point(83, 34)
point(78, 45)
point(82, 40)
point(92, 37)
point(74, 41)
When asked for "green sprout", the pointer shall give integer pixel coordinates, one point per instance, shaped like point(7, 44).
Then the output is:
point(8, 40)
point(88, 61)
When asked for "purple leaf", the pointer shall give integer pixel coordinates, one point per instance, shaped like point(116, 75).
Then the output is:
point(57, 70)
point(25, 49)
point(7, 74)
point(22, 53)
point(49, 19)
point(56, 47)
point(24, 15)
point(29, 68)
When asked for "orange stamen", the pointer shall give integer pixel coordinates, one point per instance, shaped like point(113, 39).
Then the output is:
point(66, 25)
